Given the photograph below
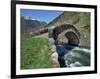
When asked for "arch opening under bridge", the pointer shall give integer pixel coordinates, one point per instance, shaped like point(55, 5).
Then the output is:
point(66, 33)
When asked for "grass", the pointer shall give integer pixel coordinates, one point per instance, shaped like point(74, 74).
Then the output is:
point(35, 53)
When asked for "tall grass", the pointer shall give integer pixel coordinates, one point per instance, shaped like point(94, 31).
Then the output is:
point(35, 53)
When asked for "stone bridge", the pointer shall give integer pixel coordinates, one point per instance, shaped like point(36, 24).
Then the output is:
point(65, 33)
point(78, 20)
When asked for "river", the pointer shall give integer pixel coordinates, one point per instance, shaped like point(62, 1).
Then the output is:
point(73, 56)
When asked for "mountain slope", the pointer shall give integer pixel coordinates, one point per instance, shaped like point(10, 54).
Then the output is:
point(29, 25)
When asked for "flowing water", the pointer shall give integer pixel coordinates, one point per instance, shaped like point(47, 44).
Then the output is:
point(73, 56)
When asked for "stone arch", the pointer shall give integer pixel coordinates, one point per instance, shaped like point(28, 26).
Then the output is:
point(66, 33)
